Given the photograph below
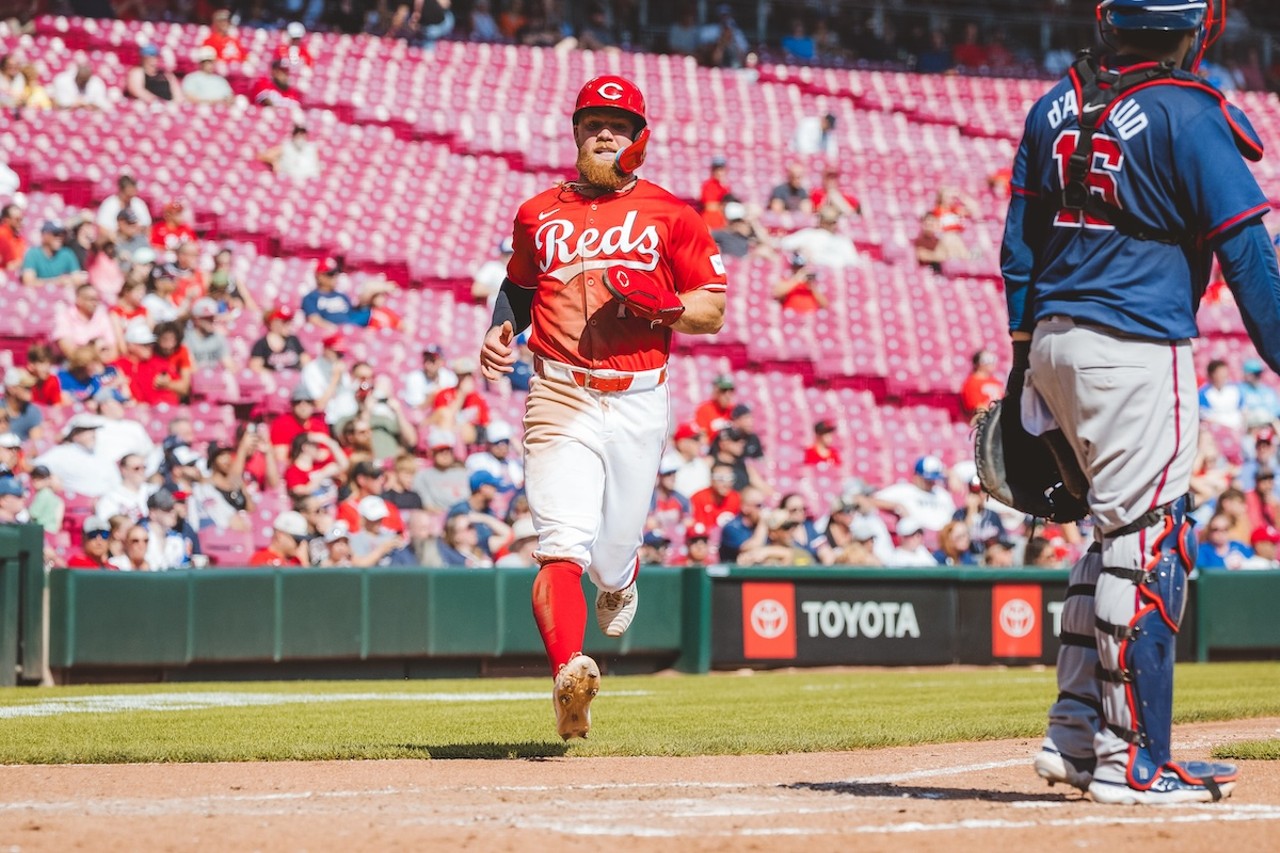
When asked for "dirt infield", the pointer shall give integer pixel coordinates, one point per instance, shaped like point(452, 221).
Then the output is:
point(953, 797)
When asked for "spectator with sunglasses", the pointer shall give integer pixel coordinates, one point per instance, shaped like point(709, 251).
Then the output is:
point(95, 553)
point(134, 559)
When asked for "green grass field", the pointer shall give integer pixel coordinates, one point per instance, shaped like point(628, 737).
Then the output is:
point(635, 715)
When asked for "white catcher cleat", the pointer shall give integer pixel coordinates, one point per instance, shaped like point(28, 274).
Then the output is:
point(1054, 767)
point(577, 683)
point(615, 610)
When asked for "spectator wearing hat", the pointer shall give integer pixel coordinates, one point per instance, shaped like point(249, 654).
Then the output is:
point(13, 505)
point(73, 461)
point(798, 292)
point(225, 44)
point(1263, 458)
point(742, 235)
point(126, 197)
point(13, 246)
point(172, 231)
point(367, 479)
point(983, 524)
point(746, 529)
point(717, 504)
point(328, 308)
point(911, 550)
point(137, 543)
point(205, 85)
point(78, 87)
point(302, 417)
point(129, 496)
point(653, 549)
point(997, 553)
point(498, 457)
point(11, 461)
point(83, 322)
point(822, 244)
point(95, 546)
point(25, 417)
point(47, 508)
point(337, 547)
point(729, 448)
point(697, 548)
point(373, 541)
point(715, 193)
point(923, 499)
point(167, 548)
point(293, 44)
point(205, 342)
point(445, 482)
point(461, 409)
point(316, 462)
point(791, 196)
point(276, 89)
point(694, 473)
point(823, 453)
point(779, 547)
point(716, 413)
point(149, 81)
point(524, 541)
point(1264, 542)
point(667, 508)
point(162, 286)
point(296, 158)
point(489, 277)
point(421, 386)
point(279, 348)
point(288, 535)
point(1257, 399)
point(52, 262)
point(981, 387)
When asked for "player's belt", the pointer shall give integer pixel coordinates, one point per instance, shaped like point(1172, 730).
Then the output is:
point(605, 381)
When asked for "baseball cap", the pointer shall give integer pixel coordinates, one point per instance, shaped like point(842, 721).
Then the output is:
point(325, 266)
point(1253, 366)
point(138, 332)
point(80, 423)
point(908, 527)
point(366, 468)
point(483, 478)
point(283, 312)
point(828, 214)
point(1266, 435)
point(338, 531)
point(523, 529)
point(463, 366)
point(731, 434)
point(11, 486)
point(862, 528)
point(654, 539)
point(205, 53)
point(41, 472)
point(931, 468)
point(291, 522)
point(1265, 533)
point(149, 50)
point(10, 441)
point(372, 508)
point(1001, 542)
point(440, 439)
point(184, 455)
point(127, 215)
point(855, 487)
point(735, 210)
point(778, 519)
point(670, 463)
point(301, 395)
point(283, 62)
point(433, 350)
point(204, 308)
point(51, 227)
point(162, 500)
point(797, 259)
point(723, 382)
point(497, 431)
point(718, 162)
point(740, 410)
point(94, 524)
point(335, 342)
point(145, 255)
point(975, 484)
point(686, 430)
point(16, 376)
point(695, 531)
point(824, 427)
point(295, 30)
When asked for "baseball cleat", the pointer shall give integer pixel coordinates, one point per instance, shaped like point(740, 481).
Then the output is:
point(1178, 782)
point(1054, 767)
point(615, 610)
point(577, 683)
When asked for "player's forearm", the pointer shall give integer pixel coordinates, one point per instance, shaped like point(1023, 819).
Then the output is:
point(703, 313)
point(1249, 266)
point(514, 305)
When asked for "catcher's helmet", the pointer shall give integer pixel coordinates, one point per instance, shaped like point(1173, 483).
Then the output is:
point(1204, 17)
point(614, 92)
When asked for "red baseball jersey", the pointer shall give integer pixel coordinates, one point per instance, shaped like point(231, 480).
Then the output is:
point(565, 241)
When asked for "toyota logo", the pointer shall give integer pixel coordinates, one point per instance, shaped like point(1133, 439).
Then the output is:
point(769, 618)
point(612, 91)
point(1017, 618)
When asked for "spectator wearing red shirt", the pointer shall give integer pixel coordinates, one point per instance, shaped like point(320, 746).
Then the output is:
point(829, 197)
point(969, 53)
point(138, 366)
point(798, 292)
point(981, 387)
point(293, 48)
point(173, 365)
point(823, 453)
point(47, 391)
point(13, 246)
point(715, 192)
point(277, 89)
point(460, 409)
point(96, 546)
point(288, 535)
point(316, 462)
point(367, 479)
point(227, 45)
point(302, 417)
point(716, 413)
point(717, 504)
point(171, 231)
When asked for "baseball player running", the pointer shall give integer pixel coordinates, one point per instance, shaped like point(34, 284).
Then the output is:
point(604, 269)
point(1128, 178)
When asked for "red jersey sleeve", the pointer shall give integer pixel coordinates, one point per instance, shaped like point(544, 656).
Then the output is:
point(522, 269)
point(695, 259)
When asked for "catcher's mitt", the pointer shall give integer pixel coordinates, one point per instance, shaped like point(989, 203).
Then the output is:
point(643, 295)
point(1027, 472)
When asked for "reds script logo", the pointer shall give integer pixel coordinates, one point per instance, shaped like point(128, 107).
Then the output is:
point(558, 246)
point(1017, 618)
point(769, 618)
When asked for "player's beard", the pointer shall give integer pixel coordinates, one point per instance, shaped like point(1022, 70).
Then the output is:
point(599, 172)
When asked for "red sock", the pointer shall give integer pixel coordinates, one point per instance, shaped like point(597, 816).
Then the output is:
point(560, 609)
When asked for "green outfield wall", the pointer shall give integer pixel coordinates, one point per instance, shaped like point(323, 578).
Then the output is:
point(396, 623)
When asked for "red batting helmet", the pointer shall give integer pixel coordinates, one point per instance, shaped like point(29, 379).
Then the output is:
point(610, 90)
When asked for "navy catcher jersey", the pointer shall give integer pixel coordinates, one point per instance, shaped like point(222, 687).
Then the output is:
point(1170, 154)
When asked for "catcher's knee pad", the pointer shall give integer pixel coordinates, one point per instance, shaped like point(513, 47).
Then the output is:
point(1137, 635)
point(1077, 714)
